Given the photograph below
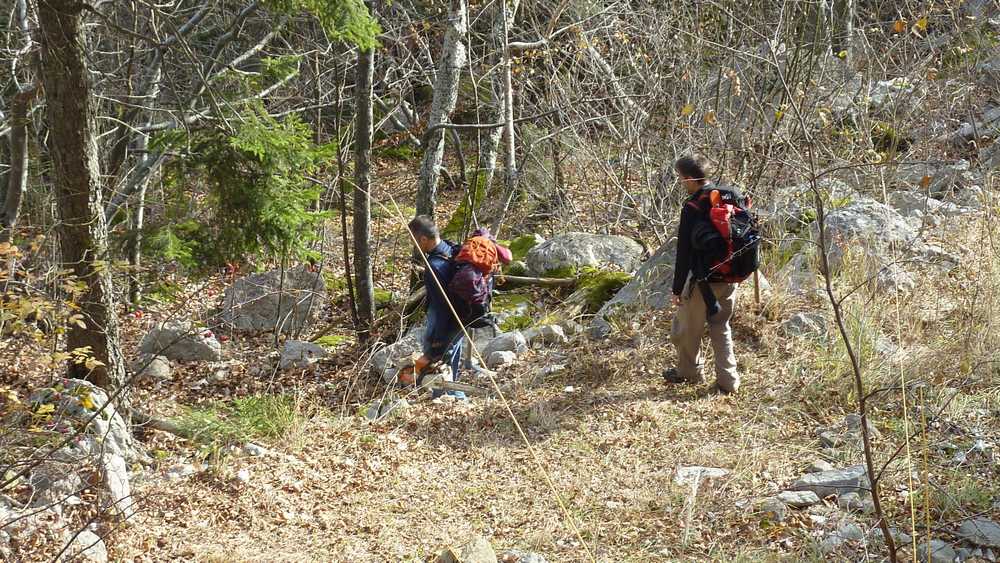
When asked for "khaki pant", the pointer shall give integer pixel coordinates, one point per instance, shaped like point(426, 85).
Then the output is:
point(689, 327)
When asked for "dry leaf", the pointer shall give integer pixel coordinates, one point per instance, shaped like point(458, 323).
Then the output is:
point(710, 118)
point(899, 26)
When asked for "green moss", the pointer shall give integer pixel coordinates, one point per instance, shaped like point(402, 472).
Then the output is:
point(516, 268)
point(562, 272)
point(332, 341)
point(389, 211)
point(334, 283)
point(516, 322)
point(520, 246)
point(382, 296)
point(403, 153)
point(462, 217)
point(601, 285)
point(840, 202)
point(510, 301)
point(885, 138)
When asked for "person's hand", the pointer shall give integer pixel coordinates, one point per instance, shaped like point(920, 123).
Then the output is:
point(676, 300)
point(420, 364)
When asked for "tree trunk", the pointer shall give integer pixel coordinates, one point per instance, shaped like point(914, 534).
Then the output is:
point(17, 176)
point(453, 59)
point(82, 228)
point(508, 120)
point(364, 116)
point(492, 147)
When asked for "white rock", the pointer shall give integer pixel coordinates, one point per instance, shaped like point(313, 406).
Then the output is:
point(155, 368)
point(689, 474)
point(243, 475)
point(298, 354)
point(576, 250)
point(501, 359)
point(801, 324)
point(255, 450)
point(87, 547)
point(507, 342)
point(181, 340)
point(798, 499)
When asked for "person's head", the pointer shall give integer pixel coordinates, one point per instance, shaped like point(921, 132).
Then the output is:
point(425, 231)
point(692, 172)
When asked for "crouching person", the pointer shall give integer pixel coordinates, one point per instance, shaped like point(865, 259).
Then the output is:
point(442, 340)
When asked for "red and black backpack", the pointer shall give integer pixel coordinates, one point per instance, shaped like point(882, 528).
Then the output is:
point(725, 238)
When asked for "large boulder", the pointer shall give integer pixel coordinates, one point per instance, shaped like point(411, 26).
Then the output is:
point(875, 226)
point(181, 340)
point(650, 288)
point(793, 207)
point(261, 302)
point(513, 341)
point(981, 532)
point(570, 251)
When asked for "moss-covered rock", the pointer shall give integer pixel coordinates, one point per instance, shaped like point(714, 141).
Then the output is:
point(520, 246)
point(600, 285)
point(333, 341)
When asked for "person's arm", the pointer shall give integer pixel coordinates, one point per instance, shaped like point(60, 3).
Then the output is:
point(682, 265)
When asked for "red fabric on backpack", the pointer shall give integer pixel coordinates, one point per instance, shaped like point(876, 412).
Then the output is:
point(720, 215)
point(481, 252)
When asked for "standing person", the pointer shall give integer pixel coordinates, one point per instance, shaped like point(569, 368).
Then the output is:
point(692, 313)
point(442, 336)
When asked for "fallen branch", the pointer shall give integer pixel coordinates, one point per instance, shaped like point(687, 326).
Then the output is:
point(141, 418)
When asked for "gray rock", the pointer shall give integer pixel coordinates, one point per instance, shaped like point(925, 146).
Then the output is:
point(798, 499)
point(838, 481)
point(690, 474)
point(865, 220)
point(829, 438)
point(889, 95)
point(476, 550)
point(981, 532)
point(801, 324)
point(181, 340)
point(117, 491)
point(851, 531)
point(519, 556)
point(774, 510)
point(571, 327)
point(819, 466)
point(379, 410)
point(76, 401)
point(507, 342)
point(892, 278)
point(953, 178)
point(155, 368)
point(545, 334)
point(181, 471)
point(501, 359)
point(792, 207)
point(299, 354)
point(851, 502)
point(254, 450)
point(87, 547)
point(650, 289)
point(387, 360)
point(576, 250)
point(939, 552)
point(254, 302)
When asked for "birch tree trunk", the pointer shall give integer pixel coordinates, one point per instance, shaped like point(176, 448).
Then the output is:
point(364, 116)
point(508, 128)
point(17, 176)
point(449, 71)
point(76, 171)
point(500, 23)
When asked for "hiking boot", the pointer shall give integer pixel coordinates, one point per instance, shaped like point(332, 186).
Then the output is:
point(673, 376)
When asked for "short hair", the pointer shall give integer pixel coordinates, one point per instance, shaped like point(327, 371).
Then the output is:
point(423, 226)
point(692, 166)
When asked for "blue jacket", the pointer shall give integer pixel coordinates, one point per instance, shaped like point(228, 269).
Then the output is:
point(441, 325)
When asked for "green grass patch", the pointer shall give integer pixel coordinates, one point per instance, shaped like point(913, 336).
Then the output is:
point(403, 153)
point(332, 341)
point(382, 297)
point(222, 423)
